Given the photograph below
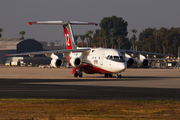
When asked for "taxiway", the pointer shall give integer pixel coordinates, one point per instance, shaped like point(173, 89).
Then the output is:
point(136, 84)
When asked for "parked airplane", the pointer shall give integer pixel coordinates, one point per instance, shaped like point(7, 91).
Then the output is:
point(91, 60)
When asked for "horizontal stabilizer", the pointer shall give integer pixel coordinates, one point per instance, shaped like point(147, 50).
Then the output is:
point(48, 23)
point(62, 23)
point(82, 23)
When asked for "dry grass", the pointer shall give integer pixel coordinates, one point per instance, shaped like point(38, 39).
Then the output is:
point(63, 109)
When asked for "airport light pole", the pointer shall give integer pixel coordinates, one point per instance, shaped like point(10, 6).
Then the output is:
point(57, 43)
point(64, 46)
point(149, 47)
point(175, 45)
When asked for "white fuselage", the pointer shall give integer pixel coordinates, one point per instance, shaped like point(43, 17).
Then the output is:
point(106, 60)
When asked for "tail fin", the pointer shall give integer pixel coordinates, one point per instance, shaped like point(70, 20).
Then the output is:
point(68, 32)
point(69, 37)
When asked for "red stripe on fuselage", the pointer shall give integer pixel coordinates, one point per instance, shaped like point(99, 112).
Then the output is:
point(93, 69)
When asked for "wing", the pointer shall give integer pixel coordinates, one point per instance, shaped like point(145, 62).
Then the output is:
point(143, 53)
point(31, 54)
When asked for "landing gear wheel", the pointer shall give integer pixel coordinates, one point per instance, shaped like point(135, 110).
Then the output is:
point(105, 75)
point(119, 76)
point(108, 75)
point(76, 74)
point(80, 74)
point(111, 75)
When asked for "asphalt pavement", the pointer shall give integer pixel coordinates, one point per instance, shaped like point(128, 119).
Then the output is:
point(136, 84)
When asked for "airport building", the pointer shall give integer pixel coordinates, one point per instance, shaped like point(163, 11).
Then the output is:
point(17, 45)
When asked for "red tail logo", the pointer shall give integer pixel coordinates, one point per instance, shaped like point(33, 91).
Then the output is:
point(67, 39)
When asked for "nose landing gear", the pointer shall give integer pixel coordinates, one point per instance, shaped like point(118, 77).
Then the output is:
point(119, 76)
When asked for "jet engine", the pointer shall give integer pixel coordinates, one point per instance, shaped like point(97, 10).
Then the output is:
point(56, 63)
point(75, 62)
point(142, 61)
point(129, 60)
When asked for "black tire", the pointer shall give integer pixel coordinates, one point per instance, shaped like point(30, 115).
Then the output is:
point(106, 75)
point(110, 75)
point(76, 74)
point(80, 74)
point(120, 76)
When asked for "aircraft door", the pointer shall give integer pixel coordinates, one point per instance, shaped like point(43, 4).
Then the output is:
point(101, 60)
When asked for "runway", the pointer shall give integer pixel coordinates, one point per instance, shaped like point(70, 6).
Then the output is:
point(136, 84)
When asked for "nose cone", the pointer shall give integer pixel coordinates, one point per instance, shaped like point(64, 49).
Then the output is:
point(124, 66)
point(120, 67)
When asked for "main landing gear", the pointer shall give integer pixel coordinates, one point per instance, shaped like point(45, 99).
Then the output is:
point(108, 75)
point(78, 73)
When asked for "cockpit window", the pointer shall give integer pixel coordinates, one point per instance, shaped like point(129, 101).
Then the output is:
point(116, 58)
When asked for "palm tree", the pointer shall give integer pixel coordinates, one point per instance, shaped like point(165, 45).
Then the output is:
point(51, 44)
point(82, 37)
point(99, 36)
point(75, 38)
point(90, 32)
point(93, 42)
point(156, 34)
point(22, 33)
point(105, 43)
point(112, 32)
point(1, 30)
point(134, 31)
point(119, 40)
point(87, 36)
point(102, 41)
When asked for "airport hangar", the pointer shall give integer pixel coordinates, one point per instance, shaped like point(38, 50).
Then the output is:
point(18, 45)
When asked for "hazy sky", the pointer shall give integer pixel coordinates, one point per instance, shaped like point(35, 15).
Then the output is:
point(140, 14)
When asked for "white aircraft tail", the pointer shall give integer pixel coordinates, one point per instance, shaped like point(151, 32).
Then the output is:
point(68, 32)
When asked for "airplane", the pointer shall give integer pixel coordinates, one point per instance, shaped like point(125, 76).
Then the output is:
point(91, 60)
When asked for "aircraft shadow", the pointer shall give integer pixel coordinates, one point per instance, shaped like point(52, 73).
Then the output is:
point(11, 88)
point(128, 78)
point(98, 78)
